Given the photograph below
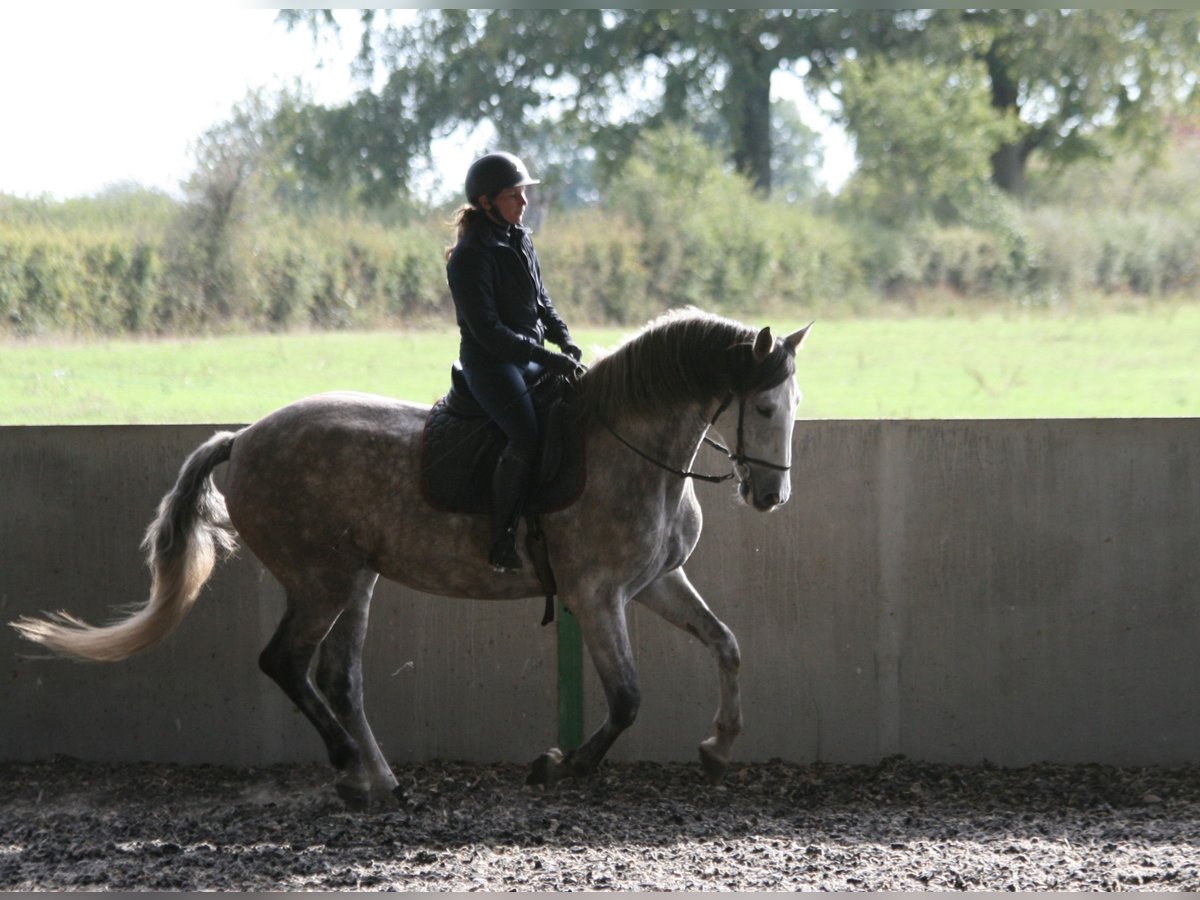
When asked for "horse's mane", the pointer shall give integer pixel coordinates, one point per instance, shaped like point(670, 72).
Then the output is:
point(684, 356)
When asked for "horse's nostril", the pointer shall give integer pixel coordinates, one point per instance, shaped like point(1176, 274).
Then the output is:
point(771, 499)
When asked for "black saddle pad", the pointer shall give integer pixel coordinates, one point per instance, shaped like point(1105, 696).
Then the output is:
point(461, 445)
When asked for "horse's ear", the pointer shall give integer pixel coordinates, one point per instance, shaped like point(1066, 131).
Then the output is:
point(763, 344)
point(796, 338)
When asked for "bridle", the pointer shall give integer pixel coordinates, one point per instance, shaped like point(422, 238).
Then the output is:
point(741, 460)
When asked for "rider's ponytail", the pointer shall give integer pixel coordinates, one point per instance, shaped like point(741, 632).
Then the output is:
point(464, 218)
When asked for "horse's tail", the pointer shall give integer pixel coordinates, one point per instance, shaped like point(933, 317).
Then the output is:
point(182, 544)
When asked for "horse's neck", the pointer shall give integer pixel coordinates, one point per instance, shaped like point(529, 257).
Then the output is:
point(673, 439)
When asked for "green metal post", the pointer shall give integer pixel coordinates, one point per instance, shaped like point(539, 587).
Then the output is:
point(570, 681)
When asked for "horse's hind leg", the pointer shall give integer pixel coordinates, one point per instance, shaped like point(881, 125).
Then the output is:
point(311, 613)
point(673, 597)
point(339, 679)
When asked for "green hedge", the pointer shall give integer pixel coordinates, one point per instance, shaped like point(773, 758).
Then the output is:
point(1131, 252)
point(79, 282)
point(723, 251)
point(338, 274)
point(275, 276)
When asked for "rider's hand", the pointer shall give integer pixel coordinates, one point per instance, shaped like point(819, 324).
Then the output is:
point(554, 363)
point(573, 350)
point(561, 364)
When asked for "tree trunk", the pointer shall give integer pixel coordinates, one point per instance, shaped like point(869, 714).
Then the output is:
point(1008, 169)
point(748, 111)
point(1008, 163)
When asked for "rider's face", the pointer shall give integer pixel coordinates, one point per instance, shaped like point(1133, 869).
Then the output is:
point(509, 205)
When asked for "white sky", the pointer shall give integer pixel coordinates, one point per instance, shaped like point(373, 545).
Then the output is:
point(94, 95)
point(98, 94)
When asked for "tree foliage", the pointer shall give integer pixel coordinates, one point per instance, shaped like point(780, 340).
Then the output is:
point(601, 76)
point(1070, 81)
point(1075, 81)
point(925, 133)
point(1065, 84)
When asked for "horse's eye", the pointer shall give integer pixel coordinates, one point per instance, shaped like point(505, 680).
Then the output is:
point(764, 411)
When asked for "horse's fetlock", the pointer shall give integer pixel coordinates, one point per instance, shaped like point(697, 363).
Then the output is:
point(344, 754)
point(727, 731)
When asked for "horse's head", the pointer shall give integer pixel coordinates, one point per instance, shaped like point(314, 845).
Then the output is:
point(763, 414)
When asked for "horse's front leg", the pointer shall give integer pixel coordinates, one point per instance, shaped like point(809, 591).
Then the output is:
point(607, 638)
point(673, 597)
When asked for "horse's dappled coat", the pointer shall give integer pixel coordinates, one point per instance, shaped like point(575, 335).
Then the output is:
point(325, 493)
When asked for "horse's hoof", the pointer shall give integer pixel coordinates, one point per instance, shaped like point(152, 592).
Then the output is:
point(714, 766)
point(547, 769)
point(357, 799)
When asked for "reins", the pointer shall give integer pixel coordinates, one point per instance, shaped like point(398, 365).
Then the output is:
point(739, 457)
point(679, 473)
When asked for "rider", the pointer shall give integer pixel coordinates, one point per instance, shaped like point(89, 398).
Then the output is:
point(504, 314)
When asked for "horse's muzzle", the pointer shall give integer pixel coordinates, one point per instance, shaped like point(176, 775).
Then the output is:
point(763, 503)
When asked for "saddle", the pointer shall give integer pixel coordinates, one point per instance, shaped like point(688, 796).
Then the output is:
point(461, 445)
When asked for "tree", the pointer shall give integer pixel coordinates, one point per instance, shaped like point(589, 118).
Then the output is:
point(603, 75)
point(201, 245)
point(924, 135)
point(1073, 80)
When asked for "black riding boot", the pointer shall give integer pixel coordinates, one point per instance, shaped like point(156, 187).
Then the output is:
point(509, 485)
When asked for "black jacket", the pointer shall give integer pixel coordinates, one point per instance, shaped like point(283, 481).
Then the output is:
point(502, 307)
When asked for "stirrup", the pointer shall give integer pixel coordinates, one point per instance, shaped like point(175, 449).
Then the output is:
point(503, 557)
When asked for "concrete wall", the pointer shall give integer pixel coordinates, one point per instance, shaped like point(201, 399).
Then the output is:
point(1014, 591)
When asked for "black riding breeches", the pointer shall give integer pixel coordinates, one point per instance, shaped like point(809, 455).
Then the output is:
point(502, 391)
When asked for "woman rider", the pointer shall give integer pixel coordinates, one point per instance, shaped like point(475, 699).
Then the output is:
point(504, 315)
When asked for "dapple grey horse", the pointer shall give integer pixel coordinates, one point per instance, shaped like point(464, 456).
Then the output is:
point(325, 493)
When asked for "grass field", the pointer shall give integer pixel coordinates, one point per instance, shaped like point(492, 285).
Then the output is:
point(994, 365)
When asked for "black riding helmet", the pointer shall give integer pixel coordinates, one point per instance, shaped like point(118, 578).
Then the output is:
point(491, 174)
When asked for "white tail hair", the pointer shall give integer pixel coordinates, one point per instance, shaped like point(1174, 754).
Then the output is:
point(182, 544)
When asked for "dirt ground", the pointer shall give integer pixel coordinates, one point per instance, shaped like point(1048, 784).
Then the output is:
point(67, 824)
